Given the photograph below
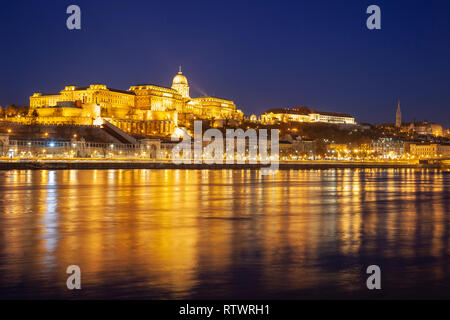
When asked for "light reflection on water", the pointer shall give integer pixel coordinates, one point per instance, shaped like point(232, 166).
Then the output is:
point(224, 234)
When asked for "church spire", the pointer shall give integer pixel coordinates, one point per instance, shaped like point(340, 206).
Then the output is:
point(398, 116)
point(179, 70)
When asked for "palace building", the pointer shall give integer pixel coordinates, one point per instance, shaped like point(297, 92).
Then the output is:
point(145, 109)
point(304, 114)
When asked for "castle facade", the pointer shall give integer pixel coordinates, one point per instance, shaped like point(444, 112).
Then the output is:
point(145, 109)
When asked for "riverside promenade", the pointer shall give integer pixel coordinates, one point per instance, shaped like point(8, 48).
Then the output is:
point(81, 164)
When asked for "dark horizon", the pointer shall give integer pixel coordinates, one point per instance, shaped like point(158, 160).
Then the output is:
point(260, 55)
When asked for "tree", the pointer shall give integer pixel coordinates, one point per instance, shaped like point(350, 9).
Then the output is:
point(23, 111)
point(11, 110)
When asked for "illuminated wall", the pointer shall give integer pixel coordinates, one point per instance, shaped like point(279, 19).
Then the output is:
point(162, 107)
point(156, 98)
point(113, 103)
point(217, 108)
point(429, 150)
point(294, 115)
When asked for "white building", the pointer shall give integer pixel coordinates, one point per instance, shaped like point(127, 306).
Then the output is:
point(304, 114)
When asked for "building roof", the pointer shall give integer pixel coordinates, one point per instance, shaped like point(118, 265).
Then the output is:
point(213, 98)
point(49, 94)
point(334, 114)
point(306, 111)
point(180, 78)
point(153, 85)
point(121, 91)
point(288, 111)
point(85, 88)
point(107, 88)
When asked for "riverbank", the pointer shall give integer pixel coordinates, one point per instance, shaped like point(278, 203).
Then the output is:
point(127, 164)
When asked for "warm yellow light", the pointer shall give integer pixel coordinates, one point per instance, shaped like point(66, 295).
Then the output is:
point(98, 122)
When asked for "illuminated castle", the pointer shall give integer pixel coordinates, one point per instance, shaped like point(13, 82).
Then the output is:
point(143, 109)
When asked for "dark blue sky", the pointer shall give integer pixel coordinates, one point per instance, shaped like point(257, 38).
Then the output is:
point(261, 54)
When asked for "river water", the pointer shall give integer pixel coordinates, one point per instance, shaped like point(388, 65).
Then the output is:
point(230, 234)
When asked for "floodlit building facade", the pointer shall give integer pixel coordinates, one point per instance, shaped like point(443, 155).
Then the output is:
point(429, 150)
point(426, 128)
point(388, 147)
point(142, 109)
point(304, 114)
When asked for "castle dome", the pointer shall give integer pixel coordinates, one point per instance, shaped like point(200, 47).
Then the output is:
point(180, 78)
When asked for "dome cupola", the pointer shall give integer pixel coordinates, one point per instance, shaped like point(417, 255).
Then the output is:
point(180, 78)
point(180, 84)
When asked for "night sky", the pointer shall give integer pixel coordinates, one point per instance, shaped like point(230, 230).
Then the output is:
point(260, 54)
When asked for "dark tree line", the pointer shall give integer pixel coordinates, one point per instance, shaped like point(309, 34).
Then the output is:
point(12, 110)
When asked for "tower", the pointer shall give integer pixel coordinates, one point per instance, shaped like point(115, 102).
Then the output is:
point(398, 116)
point(180, 84)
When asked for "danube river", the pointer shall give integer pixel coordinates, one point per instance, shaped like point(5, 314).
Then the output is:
point(230, 234)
